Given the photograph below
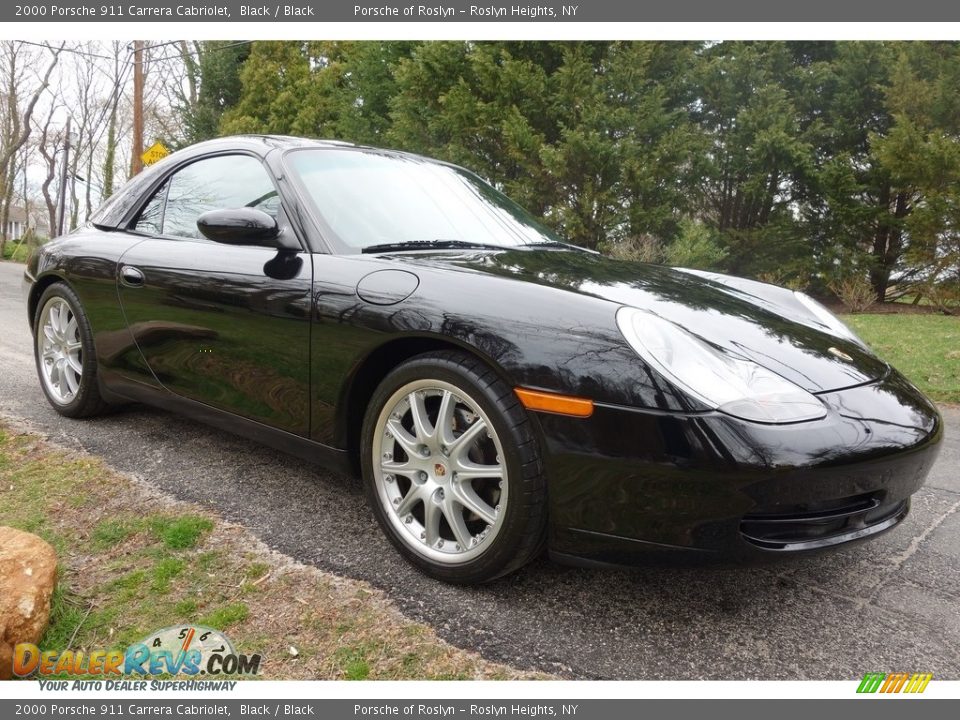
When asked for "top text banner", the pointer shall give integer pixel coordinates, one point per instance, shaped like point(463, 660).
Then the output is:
point(490, 12)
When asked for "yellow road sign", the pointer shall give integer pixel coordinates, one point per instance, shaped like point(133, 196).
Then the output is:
point(155, 153)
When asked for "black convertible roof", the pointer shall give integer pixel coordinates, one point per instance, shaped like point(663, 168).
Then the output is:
point(110, 215)
point(265, 142)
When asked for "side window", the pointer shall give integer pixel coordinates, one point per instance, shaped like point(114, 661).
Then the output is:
point(151, 217)
point(219, 183)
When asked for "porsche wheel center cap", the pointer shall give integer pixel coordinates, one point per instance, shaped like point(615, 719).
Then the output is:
point(439, 470)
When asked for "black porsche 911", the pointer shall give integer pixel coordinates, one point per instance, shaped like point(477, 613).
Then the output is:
point(498, 390)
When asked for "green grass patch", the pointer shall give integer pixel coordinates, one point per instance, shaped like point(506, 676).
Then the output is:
point(129, 587)
point(353, 662)
point(257, 570)
point(67, 614)
point(925, 348)
point(164, 571)
point(224, 617)
point(108, 533)
point(185, 608)
point(180, 533)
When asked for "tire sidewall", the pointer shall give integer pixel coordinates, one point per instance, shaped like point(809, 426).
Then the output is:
point(497, 559)
point(88, 375)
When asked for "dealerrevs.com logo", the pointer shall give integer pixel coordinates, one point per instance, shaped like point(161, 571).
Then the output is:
point(181, 649)
point(888, 683)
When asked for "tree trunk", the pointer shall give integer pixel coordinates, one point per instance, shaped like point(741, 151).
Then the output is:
point(87, 194)
point(50, 158)
point(110, 155)
point(888, 240)
point(879, 270)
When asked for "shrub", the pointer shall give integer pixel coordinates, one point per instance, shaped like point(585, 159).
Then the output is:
point(643, 248)
point(695, 247)
point(855, 292)
point(784, 279)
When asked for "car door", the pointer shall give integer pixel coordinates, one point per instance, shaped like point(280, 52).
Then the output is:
point(221, 324)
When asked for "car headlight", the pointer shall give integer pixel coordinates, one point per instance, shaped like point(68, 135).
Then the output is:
point(728, 383)
point(826, 318)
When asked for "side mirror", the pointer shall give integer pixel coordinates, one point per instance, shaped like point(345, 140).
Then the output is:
point(242, 226)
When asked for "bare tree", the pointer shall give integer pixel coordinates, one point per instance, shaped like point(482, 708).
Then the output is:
point(49, 146)
point(88, 105)
point(90, 86)
point(175, 84)
point(20, 83)
point(110, 151)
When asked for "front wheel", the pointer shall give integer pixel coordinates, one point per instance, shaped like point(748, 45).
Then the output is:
point(452, 469)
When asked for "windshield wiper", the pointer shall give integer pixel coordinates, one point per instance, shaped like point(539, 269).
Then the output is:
point(551, 244)
point(429, 245)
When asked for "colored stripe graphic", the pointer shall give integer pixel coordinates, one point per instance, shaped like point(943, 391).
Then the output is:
point(894, 683)
point(918, 683)
point(871, 682)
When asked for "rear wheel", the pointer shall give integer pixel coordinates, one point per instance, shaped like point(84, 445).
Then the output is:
point(452, 469)
point(64, 354)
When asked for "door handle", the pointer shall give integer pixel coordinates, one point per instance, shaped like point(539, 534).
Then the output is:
point(130, 276)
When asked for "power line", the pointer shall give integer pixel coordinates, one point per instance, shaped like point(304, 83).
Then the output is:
point(179, 56)
point(162, 57)
point(87, 53)
point(65, 49)
point(215, 49)
point(114, 98)
point(163, 44)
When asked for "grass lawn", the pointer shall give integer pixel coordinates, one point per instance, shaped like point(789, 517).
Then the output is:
point(925, 348)
point(132, 562)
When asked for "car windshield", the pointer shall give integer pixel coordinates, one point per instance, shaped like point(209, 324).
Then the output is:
point(370, 200)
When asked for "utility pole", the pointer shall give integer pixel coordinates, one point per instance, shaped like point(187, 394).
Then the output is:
point(62, 209)
point(136, 162)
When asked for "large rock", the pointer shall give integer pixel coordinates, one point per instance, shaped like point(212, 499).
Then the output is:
point(28, 573)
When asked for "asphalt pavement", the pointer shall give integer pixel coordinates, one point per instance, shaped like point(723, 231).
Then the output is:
point(889, 605)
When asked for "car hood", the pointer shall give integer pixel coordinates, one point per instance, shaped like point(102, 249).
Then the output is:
point(762, 322)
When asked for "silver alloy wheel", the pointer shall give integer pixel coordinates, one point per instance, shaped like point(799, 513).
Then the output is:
point(440, 471)
point(60, 350)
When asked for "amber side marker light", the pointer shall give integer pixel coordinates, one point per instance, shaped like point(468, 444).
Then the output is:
point(553, 403)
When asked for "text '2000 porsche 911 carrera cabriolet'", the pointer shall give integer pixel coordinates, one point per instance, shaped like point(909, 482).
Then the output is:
point(498, 390)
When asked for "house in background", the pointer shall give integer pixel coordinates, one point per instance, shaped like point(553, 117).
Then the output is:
point(18, 223)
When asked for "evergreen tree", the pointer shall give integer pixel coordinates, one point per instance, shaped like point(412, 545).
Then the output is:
point(215, 71)
point(803, 161)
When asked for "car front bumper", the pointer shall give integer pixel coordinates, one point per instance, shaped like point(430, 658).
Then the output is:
point(631, 486)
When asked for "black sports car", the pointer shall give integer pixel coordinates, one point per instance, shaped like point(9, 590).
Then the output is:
point(498, 390)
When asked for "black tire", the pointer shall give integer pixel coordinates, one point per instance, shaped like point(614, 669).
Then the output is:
point(521, 533)
point(86, 402)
